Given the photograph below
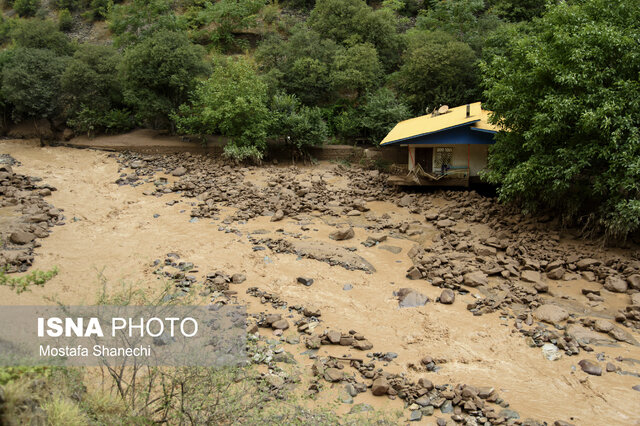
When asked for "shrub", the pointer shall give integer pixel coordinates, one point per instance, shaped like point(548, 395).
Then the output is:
point(65, 20)
point(26, 8)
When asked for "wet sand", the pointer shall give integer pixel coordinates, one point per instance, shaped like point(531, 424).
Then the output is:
point(111, 231)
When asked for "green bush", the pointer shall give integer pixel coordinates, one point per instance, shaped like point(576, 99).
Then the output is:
point(137, 20)
point(65, 20)
point(567, 89)
point(233, 103)
point(298, 126)
point(157, 75)
point(374, 118)
point(26, 8)
point(38, 34)
point(31, 82)
point(437, 69)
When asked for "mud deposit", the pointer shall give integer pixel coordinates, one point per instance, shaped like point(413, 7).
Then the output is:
point(326, 258)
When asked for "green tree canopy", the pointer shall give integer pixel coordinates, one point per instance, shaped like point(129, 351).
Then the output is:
point(138, 19)
point(31, 82)
point(300, 65)
point(353, 21)
point(374, 117)
point(437, 69)
point(158, 73)
point(232, 102)
point(296, 125)
point(39, 34)
point(568, 91)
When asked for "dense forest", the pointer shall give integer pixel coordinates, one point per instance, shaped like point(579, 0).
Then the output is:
point(563, 79)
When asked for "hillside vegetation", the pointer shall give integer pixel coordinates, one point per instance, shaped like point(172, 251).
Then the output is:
point(562, 77)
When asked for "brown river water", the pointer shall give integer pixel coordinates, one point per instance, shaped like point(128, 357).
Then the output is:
point(111, 231)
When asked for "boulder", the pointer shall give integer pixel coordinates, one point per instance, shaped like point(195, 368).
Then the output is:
point(279, 215)
point(342, 234)
point(282, 324)
point(447, 296)
point(380, 386)
point(634, 281)
point(531, 276)
point(615, 284)
point(238, 278)
point(590, 367)
point(635, 299)
point(551, 314)
point(587, 263)
point(21, 237)
point(179, 171)
point(475, 279)
point(414, 273)
point(556, 273)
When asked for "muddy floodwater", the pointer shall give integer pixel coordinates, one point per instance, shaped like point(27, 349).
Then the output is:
point(112, 234)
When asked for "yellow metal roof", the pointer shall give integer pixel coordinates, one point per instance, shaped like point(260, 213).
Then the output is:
point(430, 124)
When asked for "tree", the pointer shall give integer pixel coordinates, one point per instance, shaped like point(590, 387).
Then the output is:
point(298, 126)
point(31, 82)
point(466, 20)
point(567, 91)
point(26, 8)
point(437, 69)
point(300, 65)
point(352, 21)
point(139, 19)
point(229, 17)
point(232, 102)
point(158, 73)
point(356, 69)
point(374, 118)
point(91, 90)
point(39, 34)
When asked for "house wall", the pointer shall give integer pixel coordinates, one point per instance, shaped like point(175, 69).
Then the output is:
point(477, 155)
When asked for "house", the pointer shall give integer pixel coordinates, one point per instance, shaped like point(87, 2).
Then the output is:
point(448, 147)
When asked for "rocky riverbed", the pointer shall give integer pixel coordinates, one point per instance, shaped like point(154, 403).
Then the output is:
point(445, 305)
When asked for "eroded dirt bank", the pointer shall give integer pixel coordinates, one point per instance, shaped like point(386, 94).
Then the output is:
point(517, 284)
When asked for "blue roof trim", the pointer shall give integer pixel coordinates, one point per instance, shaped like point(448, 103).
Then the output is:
point(475, 129)
point(457, 136)
point(430, 133)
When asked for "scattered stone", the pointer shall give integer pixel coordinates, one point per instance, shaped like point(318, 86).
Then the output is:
point(179, 171)
point(305, 281)
point(551, 314)
point(380, 387)
point(21, 237)
point(551, 352)
point(590, 367)
point(409, 298)
point(238, 278)
point(447, 296)
point(342, 234)
point(475, 279)
point(615, 284)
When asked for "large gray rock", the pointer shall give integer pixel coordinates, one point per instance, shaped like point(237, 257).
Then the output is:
point(551, 314)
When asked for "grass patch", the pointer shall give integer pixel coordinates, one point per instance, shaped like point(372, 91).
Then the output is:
point(21, 284)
